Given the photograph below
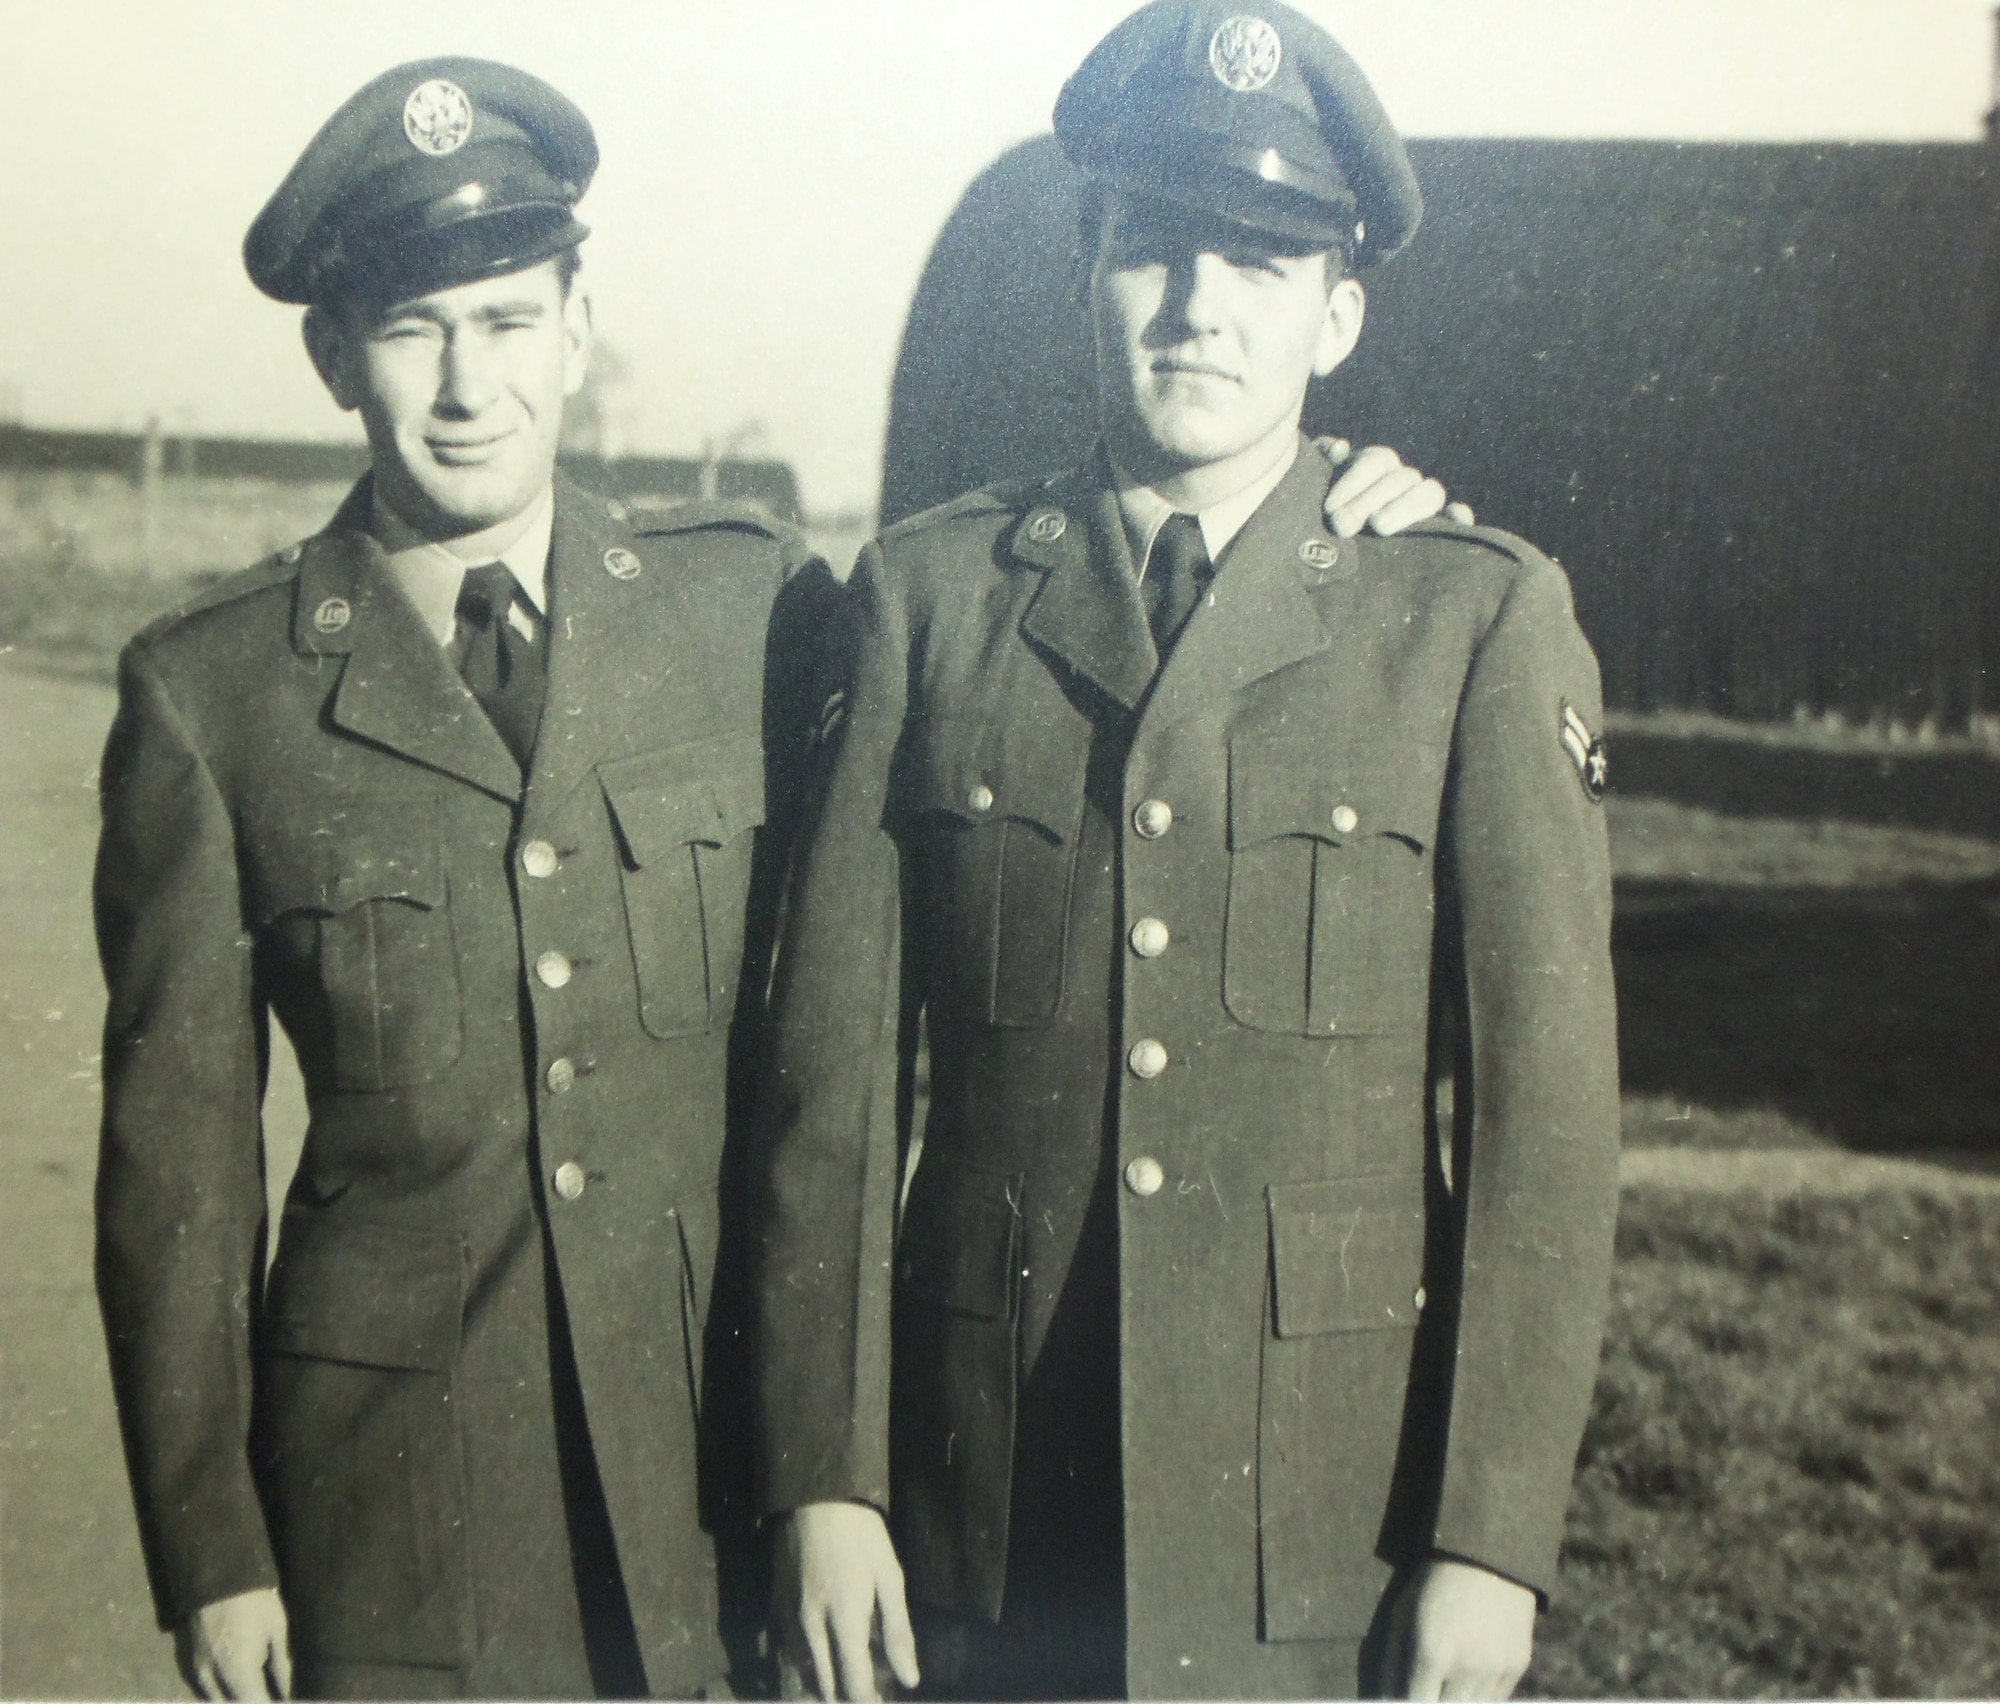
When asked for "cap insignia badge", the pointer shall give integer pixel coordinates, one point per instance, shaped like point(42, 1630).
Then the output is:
point(1586, 751)
point(437, 117)
point(1244, 53)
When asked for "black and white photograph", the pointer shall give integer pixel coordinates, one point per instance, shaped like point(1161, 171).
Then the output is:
point(937, 849)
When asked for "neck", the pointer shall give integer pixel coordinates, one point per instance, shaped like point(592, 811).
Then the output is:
point(1191, 489)
point(483, 544)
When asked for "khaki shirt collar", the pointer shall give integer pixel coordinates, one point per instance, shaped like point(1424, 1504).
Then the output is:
point(1145, 511)
point(430, 573)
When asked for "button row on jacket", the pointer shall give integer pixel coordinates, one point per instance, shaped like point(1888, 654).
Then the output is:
point(554, 969)
point(1144, 1176)
point(569, 1180)
point(1153, 818)
point(1148, 1059)
point(1150, 937)
point(561, 1076)
point(539, 859)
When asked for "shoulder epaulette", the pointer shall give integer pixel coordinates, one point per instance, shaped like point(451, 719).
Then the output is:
point(275, 570)
point(1502, 543)
point(702, 512)
point(999, 499)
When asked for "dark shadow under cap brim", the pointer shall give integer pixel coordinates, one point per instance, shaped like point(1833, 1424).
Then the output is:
point(464, 252)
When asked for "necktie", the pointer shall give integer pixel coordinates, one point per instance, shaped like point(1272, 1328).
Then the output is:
point(1177, 573)
point(504, 668)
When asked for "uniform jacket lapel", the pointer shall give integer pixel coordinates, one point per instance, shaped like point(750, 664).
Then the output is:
point(1258, 617)
point(397, 688)
point(611, 615)
point(1087, 611)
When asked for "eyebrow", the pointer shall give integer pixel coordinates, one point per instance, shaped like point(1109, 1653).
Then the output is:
point(518, 308)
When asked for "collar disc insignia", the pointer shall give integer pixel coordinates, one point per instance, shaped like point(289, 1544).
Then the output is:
point(1244, 53)
point(437, 118)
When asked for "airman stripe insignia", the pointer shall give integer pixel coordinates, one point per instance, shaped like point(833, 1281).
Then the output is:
point(1586, 751)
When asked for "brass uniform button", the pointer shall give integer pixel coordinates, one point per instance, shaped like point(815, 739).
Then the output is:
point(569, 1180)
point(1144, 1176)
point(1345, 821)
point(1150, 937)
point(561, 1076)
point(1153, 818)
point(1148, 1059)
point(554, 970)
point(980, 799)
point(539, 859)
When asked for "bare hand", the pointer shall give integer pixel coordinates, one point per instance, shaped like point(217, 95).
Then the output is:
point(1460, 1631)
point(836, 1580)
point(1379, 492)
point(237, 1647)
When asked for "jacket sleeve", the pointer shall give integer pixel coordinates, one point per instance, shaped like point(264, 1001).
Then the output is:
point(1536, 1162)
point(180, 1187)
point(828, 1130)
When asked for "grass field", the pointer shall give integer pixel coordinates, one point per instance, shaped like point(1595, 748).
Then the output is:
point(1790, 1485)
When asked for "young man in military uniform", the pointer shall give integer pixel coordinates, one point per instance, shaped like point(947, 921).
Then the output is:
point(1214, 1354)
point(468, 790)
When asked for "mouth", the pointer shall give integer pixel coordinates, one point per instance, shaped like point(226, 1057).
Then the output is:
point(464, 452)
point(1179, 367)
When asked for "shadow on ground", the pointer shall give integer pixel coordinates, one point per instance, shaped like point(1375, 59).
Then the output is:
point(1866, 1015)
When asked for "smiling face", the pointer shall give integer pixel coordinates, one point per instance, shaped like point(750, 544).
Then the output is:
point(1207, 335)
point(461, 392)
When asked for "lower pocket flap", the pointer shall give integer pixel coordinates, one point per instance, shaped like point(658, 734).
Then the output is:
point(959, 1247)
point(1347, 1256)
point(373, 1294)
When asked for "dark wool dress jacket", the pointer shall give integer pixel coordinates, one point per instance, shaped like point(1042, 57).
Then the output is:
point(512, 1002)
point(1192, 951)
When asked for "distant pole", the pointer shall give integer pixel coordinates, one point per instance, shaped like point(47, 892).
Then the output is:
point(152, 466)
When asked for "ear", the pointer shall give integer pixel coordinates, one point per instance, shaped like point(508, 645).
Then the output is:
point(1346, 307)
point(332, 353)
point(579, 335)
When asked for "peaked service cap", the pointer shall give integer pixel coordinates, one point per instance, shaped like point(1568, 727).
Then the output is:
point(1258, 116)
point(437, 173)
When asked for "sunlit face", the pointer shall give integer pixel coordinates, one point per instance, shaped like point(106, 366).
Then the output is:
point(461, 392)
point(1207, 335)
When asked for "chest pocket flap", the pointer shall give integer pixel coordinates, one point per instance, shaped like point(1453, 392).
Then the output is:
point(978, 773)
point(341, 858)
point(703, 794)
point(1281, 786)
point(1347, 1256)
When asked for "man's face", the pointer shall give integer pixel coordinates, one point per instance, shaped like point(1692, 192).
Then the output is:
point(1207, 334)
point(461, 392)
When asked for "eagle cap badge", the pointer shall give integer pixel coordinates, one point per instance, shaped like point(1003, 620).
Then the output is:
point(437, 118)
point(1244, 53)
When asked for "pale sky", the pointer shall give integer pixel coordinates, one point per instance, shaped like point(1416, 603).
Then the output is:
point(775, 171)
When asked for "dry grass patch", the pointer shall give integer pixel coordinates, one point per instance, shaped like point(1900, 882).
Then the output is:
point(1790, 1485)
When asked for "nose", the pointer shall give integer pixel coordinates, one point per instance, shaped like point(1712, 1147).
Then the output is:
point(1194, 291)
point(465, 375)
